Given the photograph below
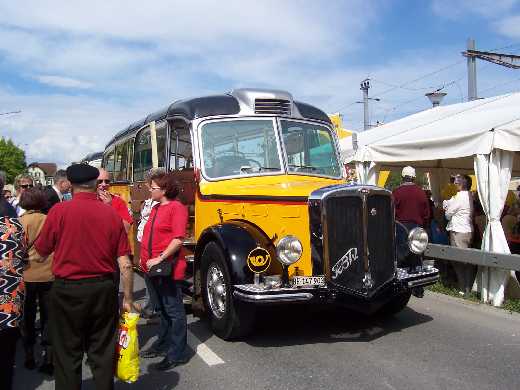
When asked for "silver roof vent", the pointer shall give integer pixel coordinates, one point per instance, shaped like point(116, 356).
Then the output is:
point(265, 101)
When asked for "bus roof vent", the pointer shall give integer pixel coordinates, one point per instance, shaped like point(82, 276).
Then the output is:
point(273, 106)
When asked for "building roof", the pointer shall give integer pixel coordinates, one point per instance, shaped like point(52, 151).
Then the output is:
point(48, 168)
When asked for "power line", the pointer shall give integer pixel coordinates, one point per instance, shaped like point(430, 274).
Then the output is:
point(403, 85)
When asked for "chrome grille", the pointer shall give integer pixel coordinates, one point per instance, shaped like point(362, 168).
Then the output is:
point(273, 107)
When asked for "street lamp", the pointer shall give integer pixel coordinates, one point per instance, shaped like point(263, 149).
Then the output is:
point(435, 97)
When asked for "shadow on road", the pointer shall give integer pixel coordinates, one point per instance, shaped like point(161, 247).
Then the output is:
point(297, 325)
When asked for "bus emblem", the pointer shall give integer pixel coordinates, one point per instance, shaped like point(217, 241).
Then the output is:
point(258, 260)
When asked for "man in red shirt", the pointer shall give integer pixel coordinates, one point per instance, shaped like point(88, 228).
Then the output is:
point(412, 210)
point(118, 204)
point(86, 237)
point(411, 204)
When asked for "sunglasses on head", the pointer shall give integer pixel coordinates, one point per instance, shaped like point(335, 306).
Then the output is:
point(26, 186)
point(105, 181)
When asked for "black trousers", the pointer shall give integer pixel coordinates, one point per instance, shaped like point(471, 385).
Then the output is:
point(36, 295)
point(83, 319)
point(8, 339)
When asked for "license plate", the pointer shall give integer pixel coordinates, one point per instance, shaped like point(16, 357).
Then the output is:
point(298, 281)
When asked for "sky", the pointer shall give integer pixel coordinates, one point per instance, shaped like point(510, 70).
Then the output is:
point(79, 72)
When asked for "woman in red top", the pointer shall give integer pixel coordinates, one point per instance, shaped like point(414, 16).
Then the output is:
point(162, 241)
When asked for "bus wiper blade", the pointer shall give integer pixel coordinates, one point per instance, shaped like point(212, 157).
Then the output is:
point(268, 169)
point(309, 167)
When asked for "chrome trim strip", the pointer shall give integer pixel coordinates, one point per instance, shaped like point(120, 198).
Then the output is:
point(423, 282)
point(273, 298)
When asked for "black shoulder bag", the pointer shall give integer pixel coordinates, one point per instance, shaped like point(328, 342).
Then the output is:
point(165, 267)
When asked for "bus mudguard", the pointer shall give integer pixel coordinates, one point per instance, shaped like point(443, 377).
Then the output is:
point(237, 239)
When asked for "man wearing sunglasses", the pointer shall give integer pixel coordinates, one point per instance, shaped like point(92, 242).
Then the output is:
point(119, 205)
point(21, 183)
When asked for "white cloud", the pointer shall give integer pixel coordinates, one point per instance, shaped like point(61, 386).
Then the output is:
point(63, 82)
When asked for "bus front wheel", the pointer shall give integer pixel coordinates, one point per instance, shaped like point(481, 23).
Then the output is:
point(229, 319)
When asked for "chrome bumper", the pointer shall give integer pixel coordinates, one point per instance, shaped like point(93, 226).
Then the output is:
point(259, 294)
point(423, 276)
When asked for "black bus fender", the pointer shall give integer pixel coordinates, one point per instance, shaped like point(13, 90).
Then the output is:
point(237, 239)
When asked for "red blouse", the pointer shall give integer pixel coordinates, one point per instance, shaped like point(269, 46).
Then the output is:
point(170, 222)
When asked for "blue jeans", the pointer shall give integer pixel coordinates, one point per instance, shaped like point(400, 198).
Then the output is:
point(174, 327)
point(153, 299)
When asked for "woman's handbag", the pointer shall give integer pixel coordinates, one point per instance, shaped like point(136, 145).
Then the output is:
point(165, 267)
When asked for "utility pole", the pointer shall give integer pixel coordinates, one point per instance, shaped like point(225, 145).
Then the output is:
point(365, 85)
point(508, 60)
point(472, 72)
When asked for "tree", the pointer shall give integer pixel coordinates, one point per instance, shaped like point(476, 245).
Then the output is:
point(12, 159)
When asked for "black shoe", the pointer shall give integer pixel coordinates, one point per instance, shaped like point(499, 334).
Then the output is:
point(151, 353)
point(418, 292)
point(167, 364)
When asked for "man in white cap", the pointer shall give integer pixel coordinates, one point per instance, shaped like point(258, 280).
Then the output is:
point(411, 204)
point(412, 210)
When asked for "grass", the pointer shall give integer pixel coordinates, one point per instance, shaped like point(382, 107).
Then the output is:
point(511, 305)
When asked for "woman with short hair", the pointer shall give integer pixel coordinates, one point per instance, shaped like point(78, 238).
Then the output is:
point(162, 242)
point(459, 213)
point(38, 280)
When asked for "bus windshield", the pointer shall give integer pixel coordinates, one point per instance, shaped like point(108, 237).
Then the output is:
point(310, 149)
point(239, 147)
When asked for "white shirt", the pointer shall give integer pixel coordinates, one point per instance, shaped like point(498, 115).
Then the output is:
point(145, 214)
point(60, 195)
point(459, 212)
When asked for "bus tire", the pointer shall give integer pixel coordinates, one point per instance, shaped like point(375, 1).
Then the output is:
point(229, 319)
point(395, 305)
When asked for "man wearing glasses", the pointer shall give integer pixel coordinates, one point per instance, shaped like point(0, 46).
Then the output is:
point(21, 183)
point(118, 204)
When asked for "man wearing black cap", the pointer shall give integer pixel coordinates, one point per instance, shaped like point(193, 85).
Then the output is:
point(86, 236)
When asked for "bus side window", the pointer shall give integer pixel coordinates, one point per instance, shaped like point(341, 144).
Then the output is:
point(180, 149)
point(121, 162)
point(160, 131)
point(109, 161)
point(142, 154)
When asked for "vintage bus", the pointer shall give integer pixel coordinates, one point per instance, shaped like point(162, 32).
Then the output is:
point(271, 218)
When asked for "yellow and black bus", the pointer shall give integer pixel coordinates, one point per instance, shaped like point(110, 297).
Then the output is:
point(271, 218)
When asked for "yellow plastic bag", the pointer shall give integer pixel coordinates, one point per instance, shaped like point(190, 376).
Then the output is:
point(128, 348)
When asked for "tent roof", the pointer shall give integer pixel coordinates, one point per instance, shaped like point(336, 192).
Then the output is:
point(445, 132)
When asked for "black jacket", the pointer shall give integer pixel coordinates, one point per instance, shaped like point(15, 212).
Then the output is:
point(6, 210)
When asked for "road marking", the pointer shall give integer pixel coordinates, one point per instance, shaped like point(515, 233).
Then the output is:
point(205, 353)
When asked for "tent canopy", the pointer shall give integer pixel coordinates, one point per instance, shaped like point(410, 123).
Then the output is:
point(442, 137)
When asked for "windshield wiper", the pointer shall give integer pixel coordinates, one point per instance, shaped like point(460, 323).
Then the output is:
point(309, 167)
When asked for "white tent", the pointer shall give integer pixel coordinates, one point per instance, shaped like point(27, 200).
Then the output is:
point(482, 135)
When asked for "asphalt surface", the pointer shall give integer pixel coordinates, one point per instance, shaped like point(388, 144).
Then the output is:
point(437, 342)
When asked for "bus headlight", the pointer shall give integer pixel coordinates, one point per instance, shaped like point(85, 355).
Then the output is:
point(417, 240)
point(289, 250)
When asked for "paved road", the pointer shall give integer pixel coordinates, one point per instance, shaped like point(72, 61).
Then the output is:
point(437, 342)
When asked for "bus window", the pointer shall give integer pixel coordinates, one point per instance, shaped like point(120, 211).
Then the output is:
point(121, 162)
point(109, 161)
point(180, 149)
point(239, 147)
point(160, 130)
point(142, 154)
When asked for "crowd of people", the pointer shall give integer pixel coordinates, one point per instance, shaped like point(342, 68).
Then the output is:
point(458, 220)
point(65, 260)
